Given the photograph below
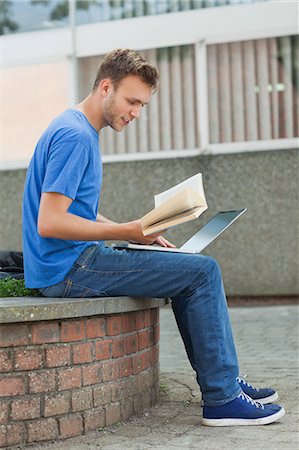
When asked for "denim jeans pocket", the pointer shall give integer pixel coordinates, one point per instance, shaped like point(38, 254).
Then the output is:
point(76, 290)
point(57, 290)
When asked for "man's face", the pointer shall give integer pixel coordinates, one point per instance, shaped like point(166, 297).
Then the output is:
point(123, 104)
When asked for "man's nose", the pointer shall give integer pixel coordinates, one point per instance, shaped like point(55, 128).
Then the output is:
point(135, 112)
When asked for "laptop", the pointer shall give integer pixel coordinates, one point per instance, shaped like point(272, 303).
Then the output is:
point(207, 234)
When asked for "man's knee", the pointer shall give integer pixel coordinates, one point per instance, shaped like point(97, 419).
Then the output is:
point(211, 267)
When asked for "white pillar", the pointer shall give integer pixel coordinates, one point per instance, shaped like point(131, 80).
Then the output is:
point(251, 120)
point(237, 92)
point(225, 93)
point(213, 95)
point(263, 95)
point(287, 81)
point(273, 55)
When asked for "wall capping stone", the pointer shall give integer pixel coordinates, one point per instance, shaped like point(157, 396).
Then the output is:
point(29, 309)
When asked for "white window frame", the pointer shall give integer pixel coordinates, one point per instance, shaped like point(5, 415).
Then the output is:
point(233, 24)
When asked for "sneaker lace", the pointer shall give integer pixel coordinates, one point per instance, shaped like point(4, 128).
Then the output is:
point(250, 400)
point(241, 380)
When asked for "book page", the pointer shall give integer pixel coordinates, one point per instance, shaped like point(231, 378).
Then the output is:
point(195, 183)
point(182, 201)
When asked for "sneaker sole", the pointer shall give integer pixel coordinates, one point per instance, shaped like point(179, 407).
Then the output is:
point(235, 421)
point(266, 400)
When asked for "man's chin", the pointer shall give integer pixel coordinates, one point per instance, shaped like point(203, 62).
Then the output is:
point(117, 127)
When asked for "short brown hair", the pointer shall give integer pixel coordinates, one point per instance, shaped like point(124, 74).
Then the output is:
point(120, 63)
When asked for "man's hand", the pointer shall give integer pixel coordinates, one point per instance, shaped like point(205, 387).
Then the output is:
point(136, 236)
point(164, 242)
point(139, 238)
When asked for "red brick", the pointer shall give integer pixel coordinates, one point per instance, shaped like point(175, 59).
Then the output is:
point(83, 353)
point(103, 349)
point(145, 360)
point(147, 318)
point(116, 391)
point(144, 381)
point(125, 367)
point(113, 325)
point(81, 399)
point(43, 381)
point(151, 337)
point(136, 364)
point(72, 330)
point(4, 406)
point(128, 322)
point(156, 334)
point(11, 386)
point(112, 413)
point(24, 409)
point(45, 332)
point(154, 316)
point(3, 440)
point(12, 434)
point(110, 370)
point(70, 426)
point(139, 320)
point(142, 339)
point(118, 347)
point(42, 430)
point(102, 394)
point(58, 356)
point(28, 359)
point(57, 404)
point(154, 355)
point(141, 362)
point(6, 360)
point(94, 419)
point(95, 328)
point(126, 409)
point(92, 374)
point(69, 378)
point(131, 344)
point(14, 335)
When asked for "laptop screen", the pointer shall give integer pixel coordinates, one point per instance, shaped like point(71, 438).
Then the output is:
point(211, 230)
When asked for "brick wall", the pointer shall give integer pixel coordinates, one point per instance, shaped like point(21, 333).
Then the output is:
point(64, 378)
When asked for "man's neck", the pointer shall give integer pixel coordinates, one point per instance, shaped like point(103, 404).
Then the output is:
point(91, 111)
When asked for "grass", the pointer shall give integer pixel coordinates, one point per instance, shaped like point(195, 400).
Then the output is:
point(11, 287)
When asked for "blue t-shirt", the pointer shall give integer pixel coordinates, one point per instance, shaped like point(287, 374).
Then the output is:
point(67, 161)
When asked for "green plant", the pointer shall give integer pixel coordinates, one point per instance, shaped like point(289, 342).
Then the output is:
point(11, 287)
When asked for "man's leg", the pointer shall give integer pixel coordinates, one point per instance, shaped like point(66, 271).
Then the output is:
point(191, 280)
point(194, 284)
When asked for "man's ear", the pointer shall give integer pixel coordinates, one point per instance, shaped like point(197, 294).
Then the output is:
point(105, 86)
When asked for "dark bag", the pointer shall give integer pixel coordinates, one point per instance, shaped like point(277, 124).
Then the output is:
point(11, 264)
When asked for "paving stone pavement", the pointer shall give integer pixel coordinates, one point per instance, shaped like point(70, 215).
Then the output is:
point(267, 345)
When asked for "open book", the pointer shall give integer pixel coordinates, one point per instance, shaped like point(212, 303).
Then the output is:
point(184, 202)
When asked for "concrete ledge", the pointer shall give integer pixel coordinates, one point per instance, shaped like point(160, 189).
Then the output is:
point(28, 309)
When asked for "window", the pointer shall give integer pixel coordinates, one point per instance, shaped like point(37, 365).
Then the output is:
point(253, 90)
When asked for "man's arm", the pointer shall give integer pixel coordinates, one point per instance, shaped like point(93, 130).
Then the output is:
point(160, 239)
point(103, 219)
point(54, 221)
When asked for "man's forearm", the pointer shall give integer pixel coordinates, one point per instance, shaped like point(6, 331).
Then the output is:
point(103, 219)
point(71, 227)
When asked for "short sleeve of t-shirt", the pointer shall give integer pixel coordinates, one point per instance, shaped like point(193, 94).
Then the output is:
point(65, 168)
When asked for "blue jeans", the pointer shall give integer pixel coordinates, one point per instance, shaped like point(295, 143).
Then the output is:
point(193, 283)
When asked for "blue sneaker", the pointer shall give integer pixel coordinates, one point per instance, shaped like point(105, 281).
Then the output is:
point(264, 395)
point(241, 411)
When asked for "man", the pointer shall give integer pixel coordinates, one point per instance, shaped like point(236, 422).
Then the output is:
point(65, 254)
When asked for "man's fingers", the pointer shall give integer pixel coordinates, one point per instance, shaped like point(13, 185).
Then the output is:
point(164, 242)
